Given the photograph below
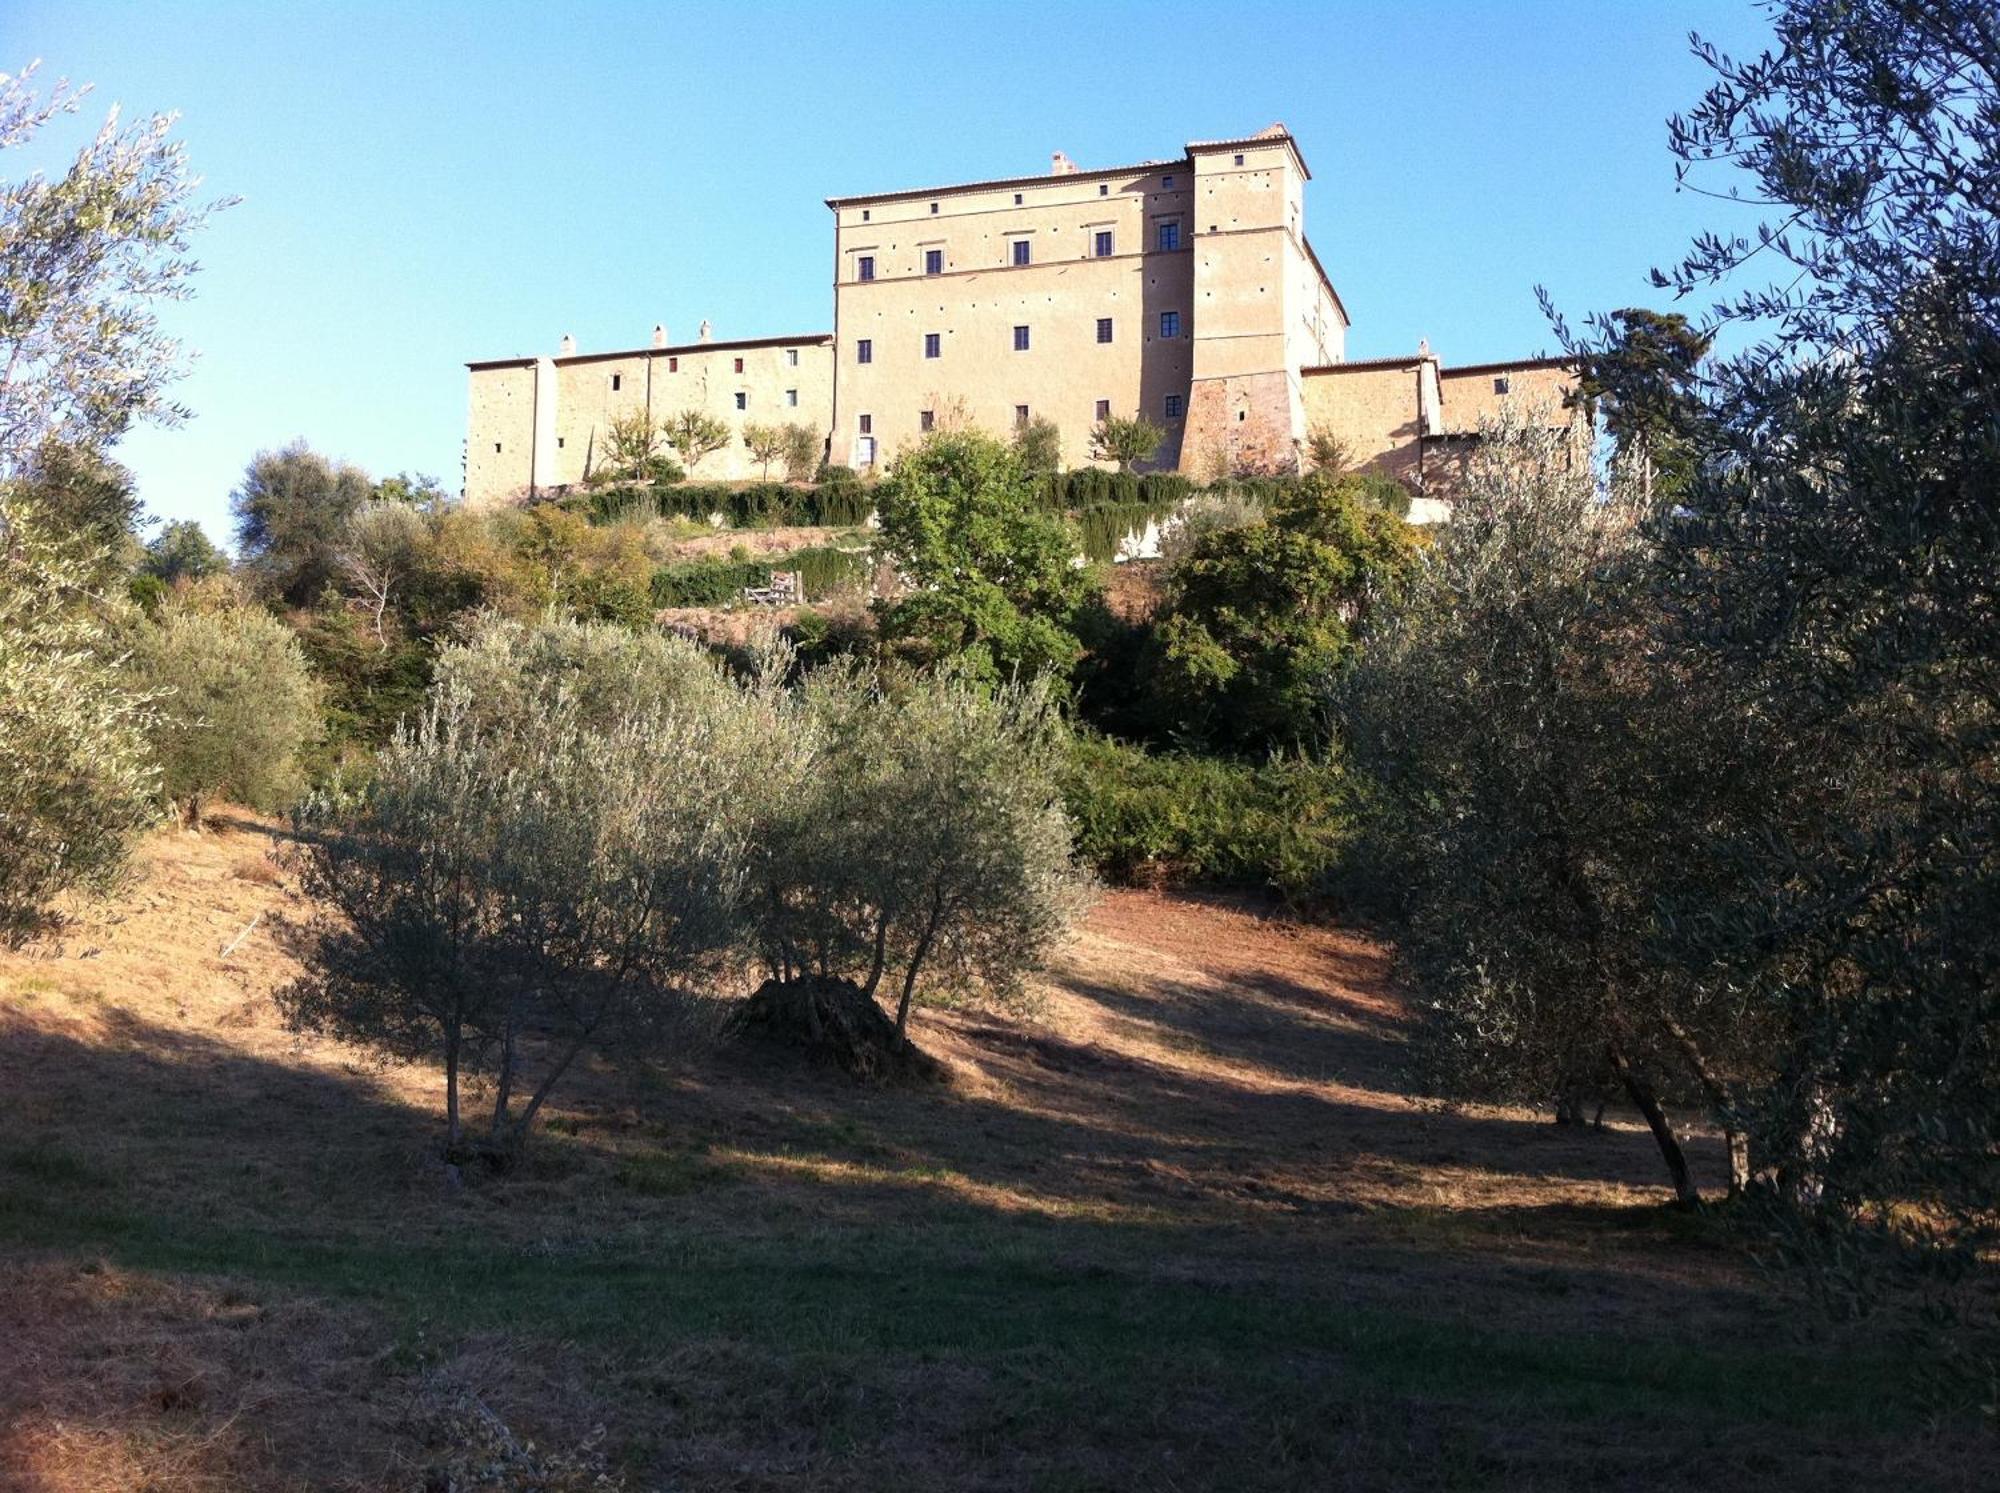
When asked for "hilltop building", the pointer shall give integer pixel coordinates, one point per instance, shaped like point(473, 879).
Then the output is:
point(1184, 290)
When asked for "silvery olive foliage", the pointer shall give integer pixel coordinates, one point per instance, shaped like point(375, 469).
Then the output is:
point(235, 706)
point(76, 777)
point(85, 259)
point(920, 835)
point(1535, 776)
point(508, 896)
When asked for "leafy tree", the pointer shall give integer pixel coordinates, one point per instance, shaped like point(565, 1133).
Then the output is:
point(695, 434)
point(1125, 441)
point(181, 551)
point(995, 579)
point(918, 829)
point(1038, 445)
point(1832, 584)
point(634, 452)
point(76, 779)
point(1257, 616)
point(802, 450)
point(509, 899)
point(766, 444)
point(1534, 787)
point(292, 511)
point(417, 491)
point(236, 706)
point(1329, 453)
point(380, 551)
point(89, 498)
point(85, 258)
point(1643, 378)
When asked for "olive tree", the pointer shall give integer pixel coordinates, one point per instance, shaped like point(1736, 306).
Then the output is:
point(509, 899)
point(76, 778)
point(919, 839)
point(766, 444)
point(695, 434)
point(236, 706)
point(1125, 441)
point(1537, 781)
point(292, 510)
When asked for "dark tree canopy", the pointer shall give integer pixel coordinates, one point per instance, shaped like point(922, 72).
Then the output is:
point(291, 513)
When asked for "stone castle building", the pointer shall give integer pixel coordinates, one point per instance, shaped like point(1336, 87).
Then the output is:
point(1185, 291)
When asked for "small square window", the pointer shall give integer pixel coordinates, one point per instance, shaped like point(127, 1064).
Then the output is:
point(1239, 160)
point(1170, 236)
point(1020, 414)
point(1103, 329)
point(1170, 324)
point(1104, 189)
point(791, 396)
point(496, 448)
point(926, 420)
point(742, 400)
point(1173, 406)
point(865, 267)
point(1103, 410)
point(1017, 199)
point(739, 365)
point(1500, 384)
point(673, 365)
point(864, 215)
point(1101, 243)
point(1167, 182)
point(933, 207)
point(791, 357)
point(864, 351)
point(1020, 339)
point(868, 425)
point(559, 443)
point(932, 344)
point(933, 261)
point(1022, 251)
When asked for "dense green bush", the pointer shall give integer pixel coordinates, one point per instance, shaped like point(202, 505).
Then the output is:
point(236, 706)
point(1102, 527)
point(1142, 817)
point(765, 505)
point(1088, 487)
point(708, 582)
point(825, 570)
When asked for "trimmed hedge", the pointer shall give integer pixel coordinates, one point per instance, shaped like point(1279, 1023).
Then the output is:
point(1177, 818)
point(1102, 527)
point(707, 582)
point(767, 505)
point(1089, 487)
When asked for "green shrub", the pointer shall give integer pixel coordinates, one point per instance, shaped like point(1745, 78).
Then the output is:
point(708, 582)
point(1176, 818)
point(1103, 527)
point(237, 706)
point(825, 570)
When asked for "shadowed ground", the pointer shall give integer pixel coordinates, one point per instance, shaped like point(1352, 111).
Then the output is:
point(1182, 1227)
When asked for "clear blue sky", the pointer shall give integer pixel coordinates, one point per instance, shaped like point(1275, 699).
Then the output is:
point(425, 184)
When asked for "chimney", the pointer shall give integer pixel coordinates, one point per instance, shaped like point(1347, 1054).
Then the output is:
point(704, 335)
point(659, 335)
point(1062, 165)
point(568, 348)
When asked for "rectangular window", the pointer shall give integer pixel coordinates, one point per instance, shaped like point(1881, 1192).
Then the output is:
point(496, 448)
point(673, 365)
point(1173, 407)
point(1103, 410)
point(933, 261)
point(742, 400)
point(864, 351)
point(1167, 182)
point(1239, 160)
point(1500, 385)
point(1104, 189)
point(1020, 414)
point(739, 365)
point(559, 443)
point(864, 214)
point(791, 396)
point(931, 344)
point(933, 207)
point(791, 357)
point(1170, 236)
point(1020, 339)
point(864, 267)
point(1170, 324)
point(926, 420)
point(616, 381)
point(1103, 329)
point(1101, 243)
point(1021, 251)
point(1017, 199)
point(868, 425)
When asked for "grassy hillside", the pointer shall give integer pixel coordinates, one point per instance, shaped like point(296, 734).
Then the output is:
point(1182, 1228)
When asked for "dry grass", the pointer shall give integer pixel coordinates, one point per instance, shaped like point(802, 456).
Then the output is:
point(1185, 1228)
